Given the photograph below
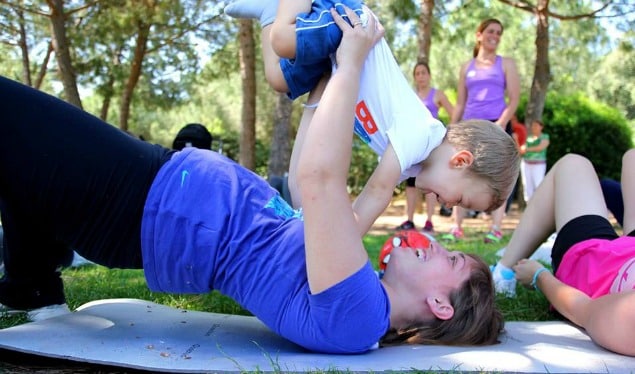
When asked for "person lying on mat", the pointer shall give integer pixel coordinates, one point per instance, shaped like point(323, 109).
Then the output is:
point(593, 284)
point(196, 221)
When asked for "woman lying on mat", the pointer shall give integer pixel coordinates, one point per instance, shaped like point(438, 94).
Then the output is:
point(593, 284)
point(195, 221)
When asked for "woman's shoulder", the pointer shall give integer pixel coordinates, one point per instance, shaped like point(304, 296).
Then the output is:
point(506, 61)
point(466, 66)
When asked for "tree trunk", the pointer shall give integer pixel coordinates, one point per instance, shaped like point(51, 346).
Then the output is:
point(43, 67)
point(135, 73)
point(424, 30)
point(542, 73)
point(24, 49)
point(108, 93)
point(248, 76)
point(280, 151)
point(62, 52)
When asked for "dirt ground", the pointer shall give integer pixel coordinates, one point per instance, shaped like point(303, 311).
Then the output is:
point(395, 214)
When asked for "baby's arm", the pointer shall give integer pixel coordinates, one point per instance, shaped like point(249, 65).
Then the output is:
point(377, 193)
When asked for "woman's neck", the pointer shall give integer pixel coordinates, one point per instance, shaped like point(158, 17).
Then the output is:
point(423, 91)
point(486, 57)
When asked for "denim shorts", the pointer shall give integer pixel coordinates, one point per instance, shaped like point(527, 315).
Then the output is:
point(317, 37)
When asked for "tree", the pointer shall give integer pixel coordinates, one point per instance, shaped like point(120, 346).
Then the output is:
point(613, 80)
point(23, 29)
point(123, 49)
point(424, 34)
point(542, 72)
point(61, 47)
point(280, 150)
point(247, 57)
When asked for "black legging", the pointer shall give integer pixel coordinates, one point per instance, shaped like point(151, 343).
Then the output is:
point(68, 181)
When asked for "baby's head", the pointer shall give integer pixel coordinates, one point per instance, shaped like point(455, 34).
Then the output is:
point(496, 161)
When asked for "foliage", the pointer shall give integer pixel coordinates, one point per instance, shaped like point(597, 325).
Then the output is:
point(363, 162)
point(576, 124)
point(190, 73)
point(613, 81)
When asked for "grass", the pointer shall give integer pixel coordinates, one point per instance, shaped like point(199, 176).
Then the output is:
point(88, 283)
point(92, 282)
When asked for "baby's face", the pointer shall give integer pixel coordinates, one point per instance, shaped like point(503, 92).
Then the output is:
point(466, 192)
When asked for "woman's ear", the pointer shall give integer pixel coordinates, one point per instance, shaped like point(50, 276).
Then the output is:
point(440, 307)
point(462, 159)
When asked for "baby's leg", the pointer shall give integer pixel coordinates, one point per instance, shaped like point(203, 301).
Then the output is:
point(271, 60)
point(283, 38)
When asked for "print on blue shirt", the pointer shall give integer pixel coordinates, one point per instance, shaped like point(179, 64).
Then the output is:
point(282, 209)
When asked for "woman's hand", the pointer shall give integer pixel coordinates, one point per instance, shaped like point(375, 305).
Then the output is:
point(525, 270)
point(358, 39)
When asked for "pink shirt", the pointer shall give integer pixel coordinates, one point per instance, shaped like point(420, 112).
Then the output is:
point(598, 267)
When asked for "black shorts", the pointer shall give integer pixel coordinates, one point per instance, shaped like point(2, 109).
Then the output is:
point(410, 182)
point(580, 229)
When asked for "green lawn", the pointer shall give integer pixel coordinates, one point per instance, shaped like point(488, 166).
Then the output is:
point(92, 282)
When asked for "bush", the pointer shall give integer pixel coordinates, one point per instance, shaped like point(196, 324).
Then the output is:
point(576, 124)
point(363, 163)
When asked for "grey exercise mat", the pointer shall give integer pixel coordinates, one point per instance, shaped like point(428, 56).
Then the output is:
point(143, 335)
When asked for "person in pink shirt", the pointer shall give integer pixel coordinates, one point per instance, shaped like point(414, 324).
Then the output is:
point(593, 284)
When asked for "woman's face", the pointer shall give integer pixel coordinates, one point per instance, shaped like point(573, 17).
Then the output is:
point(536, 129)
point(490, 37)
point(422, 76)
point(428, 270)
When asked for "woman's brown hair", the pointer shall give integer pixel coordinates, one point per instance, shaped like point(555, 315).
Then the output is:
point(421, 63)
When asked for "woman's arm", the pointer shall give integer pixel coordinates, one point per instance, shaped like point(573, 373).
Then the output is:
point(307, 116)
point(567, 300)
point(609, 320)
point(333, 246)
point(512, 81)
point(461, 96)
point(442, 101)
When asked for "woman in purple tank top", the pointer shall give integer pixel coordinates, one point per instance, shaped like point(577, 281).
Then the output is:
point(433, 100)
point(489, 88)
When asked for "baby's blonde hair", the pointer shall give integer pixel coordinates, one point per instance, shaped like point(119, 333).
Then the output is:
point(496, 158)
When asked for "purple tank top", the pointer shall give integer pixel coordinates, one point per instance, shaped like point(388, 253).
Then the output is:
point(430, 104)
point(485, 91)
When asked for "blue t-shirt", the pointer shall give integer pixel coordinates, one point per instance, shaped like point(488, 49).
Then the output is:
point(209, 224)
